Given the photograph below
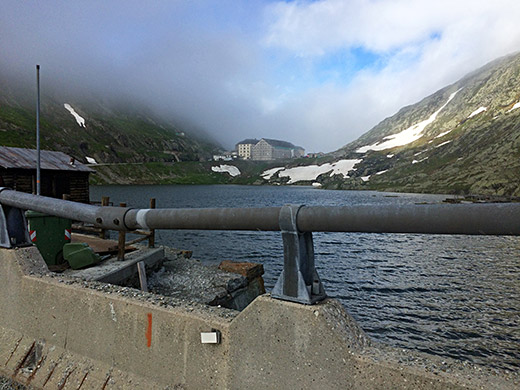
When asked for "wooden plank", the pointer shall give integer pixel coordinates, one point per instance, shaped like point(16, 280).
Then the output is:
point(141, 269)
point(98, 245)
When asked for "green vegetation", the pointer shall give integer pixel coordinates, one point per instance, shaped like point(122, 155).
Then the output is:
point(185, 172)
point(110, 135)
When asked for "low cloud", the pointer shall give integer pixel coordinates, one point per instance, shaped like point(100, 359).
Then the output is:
point(317, 74)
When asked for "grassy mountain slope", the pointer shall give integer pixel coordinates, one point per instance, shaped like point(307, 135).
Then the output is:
point(186, 172)
point(472, 145)
point(110, 135)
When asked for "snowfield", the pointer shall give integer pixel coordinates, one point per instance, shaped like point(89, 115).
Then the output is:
point(79, 119)
point(232, 170)
point(311, 172)
point(407, 136)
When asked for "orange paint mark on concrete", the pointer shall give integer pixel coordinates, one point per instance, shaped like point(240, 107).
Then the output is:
point(149, 331)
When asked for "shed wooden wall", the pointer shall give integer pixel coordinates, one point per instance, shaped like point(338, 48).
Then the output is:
point(53, 183)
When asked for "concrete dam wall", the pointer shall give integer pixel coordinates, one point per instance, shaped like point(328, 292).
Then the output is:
point(61, 333)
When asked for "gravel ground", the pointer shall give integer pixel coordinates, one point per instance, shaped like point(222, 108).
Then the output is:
point(190, 300)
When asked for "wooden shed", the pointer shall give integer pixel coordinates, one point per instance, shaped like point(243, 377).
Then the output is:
point(60, 174)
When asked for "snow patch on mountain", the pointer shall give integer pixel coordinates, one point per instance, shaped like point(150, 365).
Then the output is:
point(79, 118)
point(407, 136)
point(419, 161)
point(477, 111)
point(444, 143)
point(271, 172)
point(517, 105)
point(311, 172)
point(367, 178)
point(444, 133)
point(231, 169)
point(91, 160)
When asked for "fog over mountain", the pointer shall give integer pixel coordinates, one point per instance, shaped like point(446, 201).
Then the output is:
point(315, 73)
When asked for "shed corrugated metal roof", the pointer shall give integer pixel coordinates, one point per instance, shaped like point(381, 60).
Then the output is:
point(26, 159)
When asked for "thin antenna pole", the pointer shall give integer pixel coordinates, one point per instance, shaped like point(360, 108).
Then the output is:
point(38, 131)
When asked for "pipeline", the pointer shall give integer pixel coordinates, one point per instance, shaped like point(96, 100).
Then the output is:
point(473, 219)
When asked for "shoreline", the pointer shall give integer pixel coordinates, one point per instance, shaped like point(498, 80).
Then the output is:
point(200, 173)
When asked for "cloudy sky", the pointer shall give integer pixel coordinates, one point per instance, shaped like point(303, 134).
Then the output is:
point(315, 73)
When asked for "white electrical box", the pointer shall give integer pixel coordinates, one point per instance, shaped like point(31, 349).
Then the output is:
point(212, 337)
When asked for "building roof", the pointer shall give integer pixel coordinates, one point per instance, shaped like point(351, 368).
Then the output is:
point(248, 141)
point(279, 144)
point(26, 159)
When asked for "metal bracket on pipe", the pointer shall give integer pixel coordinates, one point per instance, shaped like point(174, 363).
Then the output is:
point(13, 227)
point(299, 281)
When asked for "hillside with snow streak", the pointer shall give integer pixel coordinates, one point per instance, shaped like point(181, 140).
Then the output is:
point(408, 135)
point(462, 139)
point(96, 130)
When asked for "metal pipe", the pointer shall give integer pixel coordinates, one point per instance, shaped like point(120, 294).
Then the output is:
point(43, 204)
point(486, 219)
point(474, 219)
point(263, 219)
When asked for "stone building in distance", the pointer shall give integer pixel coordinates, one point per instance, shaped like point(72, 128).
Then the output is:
point(245, 148)
point(267, 149)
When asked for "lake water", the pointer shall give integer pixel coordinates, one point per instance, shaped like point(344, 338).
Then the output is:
point(456, 296)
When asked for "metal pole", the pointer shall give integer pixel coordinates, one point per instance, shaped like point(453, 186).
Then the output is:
point(38, 177)
point(121, 240)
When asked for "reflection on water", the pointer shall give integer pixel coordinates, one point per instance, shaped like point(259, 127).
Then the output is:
point(456, 296)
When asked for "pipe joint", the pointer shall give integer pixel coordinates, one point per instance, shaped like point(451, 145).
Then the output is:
point(112, 218)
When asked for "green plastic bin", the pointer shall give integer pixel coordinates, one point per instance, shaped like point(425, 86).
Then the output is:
point(49, 233)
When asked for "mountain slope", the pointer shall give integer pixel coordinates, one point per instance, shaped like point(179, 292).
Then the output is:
point(463, 139)
point(91, 128)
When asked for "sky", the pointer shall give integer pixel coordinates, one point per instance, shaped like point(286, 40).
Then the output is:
point(315, 73)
